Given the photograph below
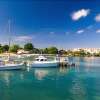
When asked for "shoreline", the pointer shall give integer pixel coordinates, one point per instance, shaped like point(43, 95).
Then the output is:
point(28, 55)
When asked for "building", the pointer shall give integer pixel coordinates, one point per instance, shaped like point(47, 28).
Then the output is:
point(21, 51)
point(87, 50)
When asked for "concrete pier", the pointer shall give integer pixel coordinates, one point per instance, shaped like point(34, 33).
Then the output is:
point(64, 62)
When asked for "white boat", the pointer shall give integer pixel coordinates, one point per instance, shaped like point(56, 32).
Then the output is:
point(11, 66)
point(42, 61)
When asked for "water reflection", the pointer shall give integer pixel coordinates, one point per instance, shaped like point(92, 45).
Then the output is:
point(22, 76)
point(43, 73)
point(63, 70)
point(78, 90)
point(5, 77)
point(9, 77)
point(40, 73)
point(86, 61)
point(73, 83)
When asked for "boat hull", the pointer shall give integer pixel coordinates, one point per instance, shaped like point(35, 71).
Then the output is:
point(11, 67)
point(45, 65)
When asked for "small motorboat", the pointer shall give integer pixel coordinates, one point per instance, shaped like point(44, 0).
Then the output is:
point(42, 61)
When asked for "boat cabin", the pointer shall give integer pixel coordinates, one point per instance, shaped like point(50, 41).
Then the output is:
point(41, 58)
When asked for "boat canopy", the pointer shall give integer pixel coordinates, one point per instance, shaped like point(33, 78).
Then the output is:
point(41, 58)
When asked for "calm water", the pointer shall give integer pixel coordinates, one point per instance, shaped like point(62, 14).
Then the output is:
point(79, 83)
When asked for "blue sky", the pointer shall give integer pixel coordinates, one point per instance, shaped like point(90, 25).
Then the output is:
point(60, 23)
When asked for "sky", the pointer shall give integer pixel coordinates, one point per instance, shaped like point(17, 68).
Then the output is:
point(61, 23)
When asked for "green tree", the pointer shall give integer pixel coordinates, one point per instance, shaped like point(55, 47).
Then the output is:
point(0, 45)
point(82, 53)
point(52, 50)
point(28, 47)
point(69, 53)
point(88, 54)
point(35, 50)
point(1, 50)
point(5, 48)
point(14, 48)
point(45, 51)
point(62, 52)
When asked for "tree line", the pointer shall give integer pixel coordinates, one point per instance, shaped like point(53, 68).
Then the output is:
point(50, 50)
point(27, 47)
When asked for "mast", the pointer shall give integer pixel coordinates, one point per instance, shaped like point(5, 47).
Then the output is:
point(9, 22)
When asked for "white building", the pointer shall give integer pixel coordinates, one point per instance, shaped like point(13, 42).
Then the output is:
point(21, 51)
point(90, 50)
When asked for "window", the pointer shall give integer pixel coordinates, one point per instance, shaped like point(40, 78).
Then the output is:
point(37, 59)
point(41, 59)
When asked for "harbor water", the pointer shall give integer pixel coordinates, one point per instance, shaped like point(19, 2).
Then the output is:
point(81, 82)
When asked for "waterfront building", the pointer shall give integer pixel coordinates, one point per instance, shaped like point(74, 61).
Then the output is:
point(87, 50)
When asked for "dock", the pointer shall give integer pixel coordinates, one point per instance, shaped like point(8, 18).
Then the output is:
point(64, 62)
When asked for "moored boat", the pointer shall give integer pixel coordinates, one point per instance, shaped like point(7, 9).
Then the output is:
point(10, 65)
point(42, 61)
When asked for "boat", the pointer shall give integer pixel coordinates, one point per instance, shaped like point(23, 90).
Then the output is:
point(11, 67)
point(42, 61)
point(9, 63)
point(64, 60)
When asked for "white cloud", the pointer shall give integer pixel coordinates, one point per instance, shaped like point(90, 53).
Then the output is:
point(52, 33)
point(98, 31)
point(97, 18)
point(79, 14)
point(80, 31)
point(23, 38)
